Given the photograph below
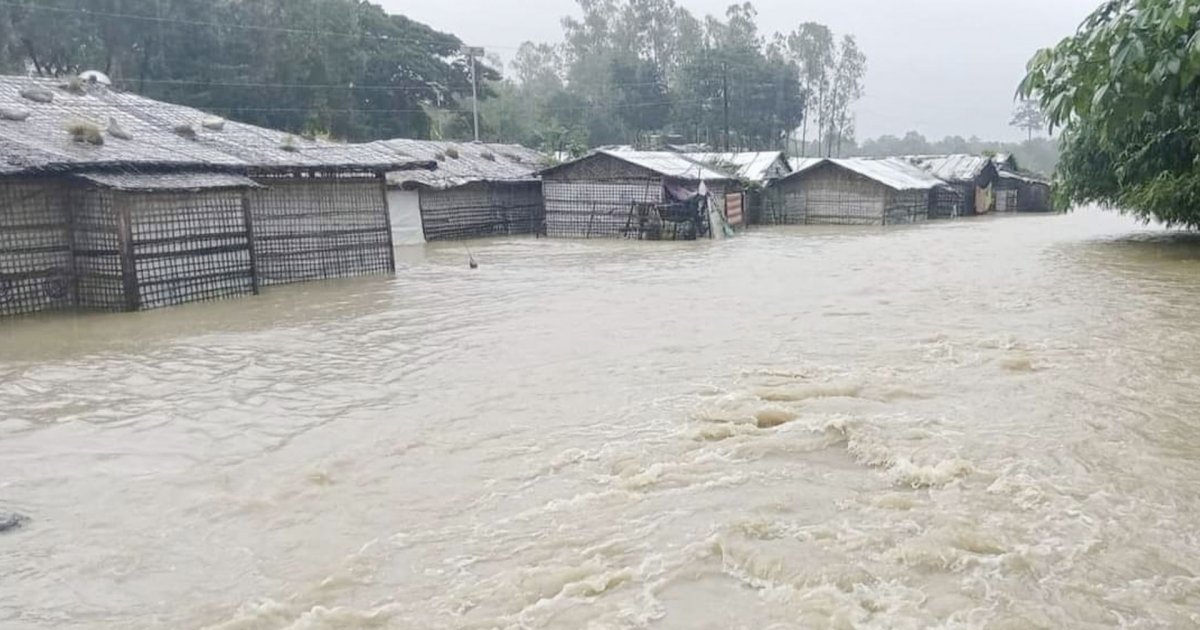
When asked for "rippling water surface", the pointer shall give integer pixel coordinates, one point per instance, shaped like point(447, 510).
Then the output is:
point(979, 424)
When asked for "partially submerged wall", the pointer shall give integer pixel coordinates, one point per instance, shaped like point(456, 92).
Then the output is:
point(906, 206)
point(99, 263)
point(188, 247)
point(35, 247)
point(596, 198)
point(831, 195)
point(482, 209)
point(320, 227)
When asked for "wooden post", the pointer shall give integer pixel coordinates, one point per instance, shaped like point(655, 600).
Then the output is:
point(249, 223)
point(125, 245)
point(387, 220)
point(71, 201)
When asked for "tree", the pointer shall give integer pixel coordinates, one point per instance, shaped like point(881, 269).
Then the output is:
point(340, 67)
point(849, 68)
point(1125, 89)
point(1028, 116)
point(811, 46)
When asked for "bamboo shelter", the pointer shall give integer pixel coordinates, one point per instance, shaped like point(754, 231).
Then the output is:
point(476, 190)
point(111, 201)
point(857, 191)
point(1020, 191)
point(633, 194)
point(756, 171)
point(970, 184)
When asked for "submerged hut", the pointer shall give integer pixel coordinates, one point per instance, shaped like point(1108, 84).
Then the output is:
point(633, 194)
point(1022, 192)
point(857, 191)
point(116, 202)
point(1018, 190)
point(756, 170)
point(970, 179)
point(476, 190)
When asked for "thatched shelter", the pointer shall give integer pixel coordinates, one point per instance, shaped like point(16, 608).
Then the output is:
point(113, 201)
point(633, 194)
point(970, 179)
point(476, 190)
point(857, 191)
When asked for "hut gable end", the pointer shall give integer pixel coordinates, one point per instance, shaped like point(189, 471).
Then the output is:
point(600, 167)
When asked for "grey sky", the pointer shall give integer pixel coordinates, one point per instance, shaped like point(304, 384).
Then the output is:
point(941, 67)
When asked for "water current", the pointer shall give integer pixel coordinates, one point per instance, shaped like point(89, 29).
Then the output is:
point(988, 423)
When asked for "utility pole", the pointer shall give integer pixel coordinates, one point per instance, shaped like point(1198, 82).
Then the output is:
point(725, 94)
point(474, 52)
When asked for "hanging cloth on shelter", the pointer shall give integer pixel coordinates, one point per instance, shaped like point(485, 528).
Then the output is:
point(681, 193)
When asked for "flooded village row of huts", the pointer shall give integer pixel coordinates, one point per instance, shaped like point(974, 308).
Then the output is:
point(111, 201)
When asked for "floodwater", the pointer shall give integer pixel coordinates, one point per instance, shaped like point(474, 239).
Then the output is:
point(988, 423)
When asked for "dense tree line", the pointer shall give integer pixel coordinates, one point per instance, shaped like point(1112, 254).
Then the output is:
point(339, 67)
point(630, 69)
point(1126, 88)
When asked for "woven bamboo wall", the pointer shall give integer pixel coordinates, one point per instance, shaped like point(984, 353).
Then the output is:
point(35, 247)
point(97, 244)
point(594, 198)
point(315, 228)
point(784, 204)
point(482, 209)
point(189, 247)
point(832, 195)
point(1034, 197)
point(947, 202)
point(906, 206)
point(596, 209)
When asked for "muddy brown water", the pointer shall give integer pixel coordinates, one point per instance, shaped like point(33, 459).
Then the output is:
point(977, 424)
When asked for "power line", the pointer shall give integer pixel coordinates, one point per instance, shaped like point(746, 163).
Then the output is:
point(394, 88)
point(453, 111)
point(351, 86)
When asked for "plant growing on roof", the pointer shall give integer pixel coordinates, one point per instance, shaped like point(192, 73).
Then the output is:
point(38, 95)
point(452, 153)
point(185, 131)
point(15, 115)
point(441, 157)
point(488, 155)
point(85, 132)
point(74, 85)
point(115, 130)
point(289, 144)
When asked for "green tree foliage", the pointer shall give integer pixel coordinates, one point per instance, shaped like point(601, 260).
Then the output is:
point(340, 67)
point(1125, 88)
point(630, 69)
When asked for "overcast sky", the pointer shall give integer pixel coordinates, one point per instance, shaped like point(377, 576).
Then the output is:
point(941, 67)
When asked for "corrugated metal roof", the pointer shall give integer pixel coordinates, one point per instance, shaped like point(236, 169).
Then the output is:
point(669, 164)
point(475, 162)
point(754, 166)
point(1024, 177)
point(801, 163)
point(894, 173)
point(951, 168)
point(41, 141)
point(168, 181)
point(663, 163)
